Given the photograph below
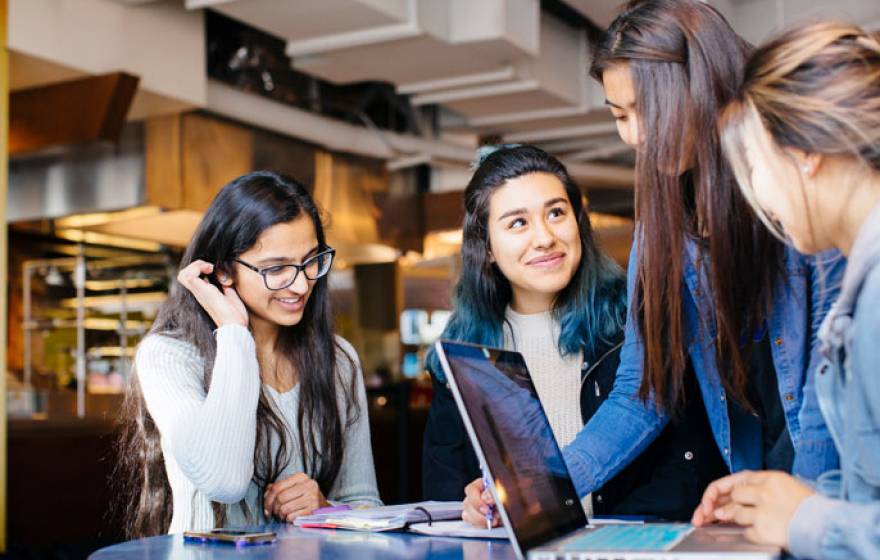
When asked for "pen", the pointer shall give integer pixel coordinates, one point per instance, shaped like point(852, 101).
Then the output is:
point(489, 516)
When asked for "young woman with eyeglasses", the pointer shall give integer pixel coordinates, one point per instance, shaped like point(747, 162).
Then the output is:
point(244, 406)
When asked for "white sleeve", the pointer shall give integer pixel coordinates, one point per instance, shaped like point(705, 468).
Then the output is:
point(356, 481)
point(210, 436)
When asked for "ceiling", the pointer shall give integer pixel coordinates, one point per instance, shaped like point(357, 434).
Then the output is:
point(501, 68)
point(505, 69)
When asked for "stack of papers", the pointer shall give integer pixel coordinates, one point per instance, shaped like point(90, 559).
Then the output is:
point(385, 518)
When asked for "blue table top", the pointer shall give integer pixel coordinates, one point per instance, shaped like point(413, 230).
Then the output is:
point(307, 544)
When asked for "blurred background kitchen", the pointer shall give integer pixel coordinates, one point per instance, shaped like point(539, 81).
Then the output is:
point(125, 118)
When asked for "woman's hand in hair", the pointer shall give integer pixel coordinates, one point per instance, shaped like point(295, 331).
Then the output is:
point(292, 497)
point(224, 308)
point(477, 503)
point(763, 502)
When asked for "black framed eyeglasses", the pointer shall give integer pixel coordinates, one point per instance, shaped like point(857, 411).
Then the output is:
point(280, 276)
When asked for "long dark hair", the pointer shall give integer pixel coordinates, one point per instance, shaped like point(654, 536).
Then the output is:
point(590, 310)
point(240, 212)
point(686, 62)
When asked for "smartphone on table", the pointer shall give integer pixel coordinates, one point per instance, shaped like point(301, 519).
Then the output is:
point(230, 536)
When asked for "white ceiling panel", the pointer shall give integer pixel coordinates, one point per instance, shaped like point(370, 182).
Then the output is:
point(297, 20)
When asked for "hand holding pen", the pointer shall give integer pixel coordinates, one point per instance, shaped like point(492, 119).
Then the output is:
point(479, 505)
point(490, 510)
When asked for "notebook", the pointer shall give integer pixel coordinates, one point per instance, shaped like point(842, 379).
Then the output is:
point(383, 518)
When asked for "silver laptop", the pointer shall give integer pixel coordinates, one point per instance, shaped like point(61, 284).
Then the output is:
point(535, 496)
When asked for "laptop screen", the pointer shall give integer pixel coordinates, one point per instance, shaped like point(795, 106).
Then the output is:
point(531, 479)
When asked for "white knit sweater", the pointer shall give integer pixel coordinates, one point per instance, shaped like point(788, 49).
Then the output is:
point(557, 379)
point(208, 438)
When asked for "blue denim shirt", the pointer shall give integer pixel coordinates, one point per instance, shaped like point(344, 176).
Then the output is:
point(843, 519)
point(624, 425)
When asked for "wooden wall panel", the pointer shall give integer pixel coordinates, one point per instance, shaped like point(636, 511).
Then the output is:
point(214, 153)
point(286, 156)
point(163, 161)
point(443, 211)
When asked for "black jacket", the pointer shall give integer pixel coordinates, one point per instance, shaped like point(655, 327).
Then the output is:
point(667, 480)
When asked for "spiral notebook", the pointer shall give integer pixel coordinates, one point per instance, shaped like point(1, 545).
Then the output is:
point(383, 518)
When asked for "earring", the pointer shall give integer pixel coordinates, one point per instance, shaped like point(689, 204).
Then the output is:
point(805, 169)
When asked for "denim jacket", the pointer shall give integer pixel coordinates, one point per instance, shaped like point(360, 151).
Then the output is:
point(625, 425)
point(843, 519)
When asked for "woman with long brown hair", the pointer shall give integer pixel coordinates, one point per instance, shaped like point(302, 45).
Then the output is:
point(244, 406)
point(803, 135)
point(713, 295)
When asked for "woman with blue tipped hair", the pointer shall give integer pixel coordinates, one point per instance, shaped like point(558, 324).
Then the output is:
point(534, 281)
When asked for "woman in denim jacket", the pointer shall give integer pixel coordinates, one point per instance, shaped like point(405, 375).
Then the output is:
point(803, 135)
point(712, 293)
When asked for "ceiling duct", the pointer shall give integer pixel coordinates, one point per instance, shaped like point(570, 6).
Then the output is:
point(75, 179)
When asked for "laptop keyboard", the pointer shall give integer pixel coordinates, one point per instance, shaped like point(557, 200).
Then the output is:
point(652, 537)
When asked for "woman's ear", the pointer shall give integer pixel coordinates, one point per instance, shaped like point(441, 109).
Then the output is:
point(812, 164)
point(809, 163)
point(224, 278)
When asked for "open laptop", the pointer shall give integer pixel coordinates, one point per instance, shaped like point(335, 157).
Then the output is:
point(533, 490)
